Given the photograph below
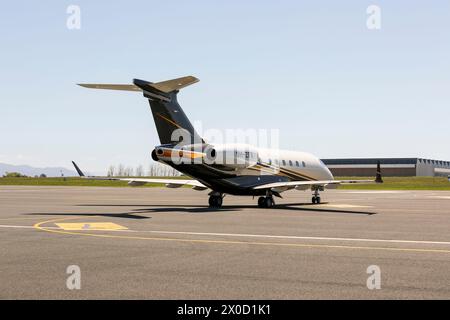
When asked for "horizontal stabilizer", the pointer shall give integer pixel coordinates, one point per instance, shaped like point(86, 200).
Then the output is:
point(174, 84)
point(122, 87)
point(140, 85)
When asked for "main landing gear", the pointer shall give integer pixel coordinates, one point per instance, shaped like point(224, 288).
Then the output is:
point(316, 197)
point(215, 200)
point(266, 202)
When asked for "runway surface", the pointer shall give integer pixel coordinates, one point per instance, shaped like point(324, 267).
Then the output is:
point(155, 243)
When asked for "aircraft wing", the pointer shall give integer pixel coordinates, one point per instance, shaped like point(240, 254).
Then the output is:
point(358, 181)
point(295, 184)
point(170, 183)
point(321, 183)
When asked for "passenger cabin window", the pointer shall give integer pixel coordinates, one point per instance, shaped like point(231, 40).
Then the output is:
point(303, 164)
point(270, 162)
point(290, 163)
point(297, 164)
point(284, 162)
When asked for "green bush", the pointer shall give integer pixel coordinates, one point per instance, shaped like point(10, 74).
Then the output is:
point(14, 175)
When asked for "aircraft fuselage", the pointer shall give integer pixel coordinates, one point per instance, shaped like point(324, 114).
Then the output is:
point(237, 168)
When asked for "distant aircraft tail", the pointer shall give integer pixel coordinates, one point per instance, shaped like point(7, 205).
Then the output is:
point(378, 178)
point(167, 113)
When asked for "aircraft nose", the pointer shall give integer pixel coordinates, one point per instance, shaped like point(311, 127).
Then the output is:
point(327, 171)
point(330, 175)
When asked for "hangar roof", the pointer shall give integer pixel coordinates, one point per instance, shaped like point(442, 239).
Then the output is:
point(370, 161)
point(373, 161)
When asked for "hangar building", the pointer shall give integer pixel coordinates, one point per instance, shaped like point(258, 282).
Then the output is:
point(393, 167)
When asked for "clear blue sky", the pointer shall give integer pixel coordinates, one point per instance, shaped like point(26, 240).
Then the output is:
point(311, 69)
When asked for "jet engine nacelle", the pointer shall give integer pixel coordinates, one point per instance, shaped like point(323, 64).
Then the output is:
point(154, 156)
point(233, 156)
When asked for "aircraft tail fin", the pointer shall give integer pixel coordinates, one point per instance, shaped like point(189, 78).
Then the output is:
point(167, 113)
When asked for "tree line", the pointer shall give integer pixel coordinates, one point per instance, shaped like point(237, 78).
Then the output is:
point(153, 170)
point(20, 175)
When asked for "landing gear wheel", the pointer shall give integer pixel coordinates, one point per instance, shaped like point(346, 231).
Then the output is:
point(261, 201)
point(215, 201)
point(316, 200)
point(265, 202)
point(268, 202)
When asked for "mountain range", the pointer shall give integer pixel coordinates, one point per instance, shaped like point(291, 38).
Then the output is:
point(33, 171)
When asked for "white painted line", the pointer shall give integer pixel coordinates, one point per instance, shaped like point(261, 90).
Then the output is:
point(287, 237)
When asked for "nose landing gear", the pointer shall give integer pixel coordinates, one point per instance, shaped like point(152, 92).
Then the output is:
point(316, 196)
point(316, 200)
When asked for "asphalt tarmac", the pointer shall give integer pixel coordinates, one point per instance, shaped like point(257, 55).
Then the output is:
point(157, 243)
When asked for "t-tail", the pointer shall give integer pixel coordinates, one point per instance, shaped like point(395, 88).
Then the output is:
point(172, 124)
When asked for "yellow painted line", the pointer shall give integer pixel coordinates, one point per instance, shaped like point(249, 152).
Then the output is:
point(97, 226)
point(296, 245)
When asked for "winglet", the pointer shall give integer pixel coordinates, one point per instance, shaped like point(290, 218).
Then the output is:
point(78, 169)
point(378, 178)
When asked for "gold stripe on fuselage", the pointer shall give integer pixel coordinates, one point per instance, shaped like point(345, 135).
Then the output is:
point(283, 171)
